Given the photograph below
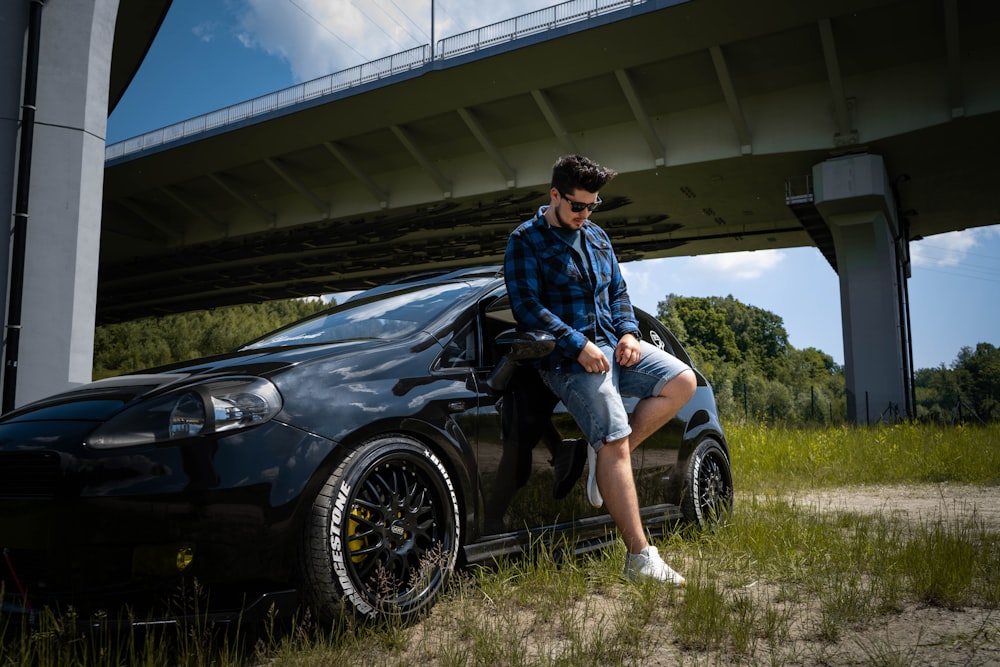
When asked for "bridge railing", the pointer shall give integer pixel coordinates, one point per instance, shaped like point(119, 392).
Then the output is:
point(324, 85)
point(450, 47)
point(528, 24)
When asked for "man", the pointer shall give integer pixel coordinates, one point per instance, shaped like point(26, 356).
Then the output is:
point(563, 277)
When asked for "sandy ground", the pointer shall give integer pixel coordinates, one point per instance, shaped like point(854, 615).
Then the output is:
point(917, 634)
point(920, 634)
point(919, 502)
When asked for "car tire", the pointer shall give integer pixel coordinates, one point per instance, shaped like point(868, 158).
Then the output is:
point(708, 485)
point(384, 532)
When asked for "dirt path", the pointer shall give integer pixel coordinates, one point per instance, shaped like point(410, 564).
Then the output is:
point(919, 634)
point(912, 502)
point(916, 634)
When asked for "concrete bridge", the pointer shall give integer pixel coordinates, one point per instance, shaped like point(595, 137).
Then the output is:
point(855, 126)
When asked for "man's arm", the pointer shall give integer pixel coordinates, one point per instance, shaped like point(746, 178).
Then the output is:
point(628, 352)
point(622, 315)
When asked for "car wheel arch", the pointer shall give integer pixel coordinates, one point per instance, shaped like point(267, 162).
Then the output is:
point(458, 457)
point(700, 425)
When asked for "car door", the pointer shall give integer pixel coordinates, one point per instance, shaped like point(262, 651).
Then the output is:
point(520, 425)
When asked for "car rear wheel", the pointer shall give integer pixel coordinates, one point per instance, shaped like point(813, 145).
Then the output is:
point(383, 535)
point(708, 493)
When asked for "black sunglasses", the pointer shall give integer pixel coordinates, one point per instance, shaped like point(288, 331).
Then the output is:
point(577, 206)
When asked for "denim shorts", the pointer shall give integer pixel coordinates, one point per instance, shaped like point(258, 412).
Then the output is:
point(595, 399)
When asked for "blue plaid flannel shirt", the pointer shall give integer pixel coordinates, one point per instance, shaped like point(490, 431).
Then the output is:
point(551, 289)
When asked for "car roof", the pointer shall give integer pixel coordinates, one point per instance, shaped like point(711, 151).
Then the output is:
point(433, 278)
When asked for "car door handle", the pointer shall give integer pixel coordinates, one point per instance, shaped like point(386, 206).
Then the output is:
point(457, 406)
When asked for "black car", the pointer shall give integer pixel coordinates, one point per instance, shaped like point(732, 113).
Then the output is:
point(348, 462)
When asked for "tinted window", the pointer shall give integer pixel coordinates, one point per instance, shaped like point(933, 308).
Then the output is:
point(460, 351)
point(387, 316)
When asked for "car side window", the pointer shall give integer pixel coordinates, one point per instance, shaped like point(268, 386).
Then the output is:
point(497, 318)
point(460, 351)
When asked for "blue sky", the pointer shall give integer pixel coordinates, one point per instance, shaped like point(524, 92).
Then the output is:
point(213, 53)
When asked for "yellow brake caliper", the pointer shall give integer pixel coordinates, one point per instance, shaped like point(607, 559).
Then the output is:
point(355, 543)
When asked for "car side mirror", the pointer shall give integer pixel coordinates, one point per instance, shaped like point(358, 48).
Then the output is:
point(519, 346)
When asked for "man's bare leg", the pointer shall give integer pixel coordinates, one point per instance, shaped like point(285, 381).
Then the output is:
point(653, 412)
point(617, 486)
point(615, 479)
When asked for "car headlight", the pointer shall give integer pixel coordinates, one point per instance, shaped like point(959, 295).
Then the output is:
point(212, 407)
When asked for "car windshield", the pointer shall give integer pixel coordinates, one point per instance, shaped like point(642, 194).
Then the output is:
point(386, 316)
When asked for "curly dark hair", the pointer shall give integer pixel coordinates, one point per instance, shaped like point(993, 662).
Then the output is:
point(573, 172)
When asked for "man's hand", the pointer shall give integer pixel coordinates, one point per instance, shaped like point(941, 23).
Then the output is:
point(628, 352)
point(592, 359)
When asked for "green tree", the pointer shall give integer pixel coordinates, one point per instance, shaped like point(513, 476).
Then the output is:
point(706, 335)
point(969, 389)
point(937, 393)
point(744, 352)
point(978, 373)
point(154, 341)
point(760, 334)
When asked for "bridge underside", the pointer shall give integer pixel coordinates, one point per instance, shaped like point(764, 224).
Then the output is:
point(851, 125)
point(713, 111)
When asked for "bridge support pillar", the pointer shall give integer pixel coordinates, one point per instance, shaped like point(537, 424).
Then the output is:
point(854, 197)
point(66, 193)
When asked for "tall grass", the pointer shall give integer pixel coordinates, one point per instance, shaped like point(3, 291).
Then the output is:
point(777, 458)
point(780, 582)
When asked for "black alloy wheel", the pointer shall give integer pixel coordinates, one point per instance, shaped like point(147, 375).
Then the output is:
point(708, 493)
point(383, 537)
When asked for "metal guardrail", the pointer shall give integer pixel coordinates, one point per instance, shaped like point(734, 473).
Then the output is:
point(529, 24)
point(450, 47)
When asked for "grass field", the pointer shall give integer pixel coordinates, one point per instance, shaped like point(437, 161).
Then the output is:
point(779, 583)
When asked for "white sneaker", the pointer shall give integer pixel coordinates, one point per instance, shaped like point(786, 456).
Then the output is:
point(647, 564)
point(593, 493)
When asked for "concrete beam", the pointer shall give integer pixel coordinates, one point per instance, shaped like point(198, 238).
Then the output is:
point(479, 132)
point(845, 134)
point(642, 118)
point(732, 100)
point(335, 149)
point(956, 97)
point(421, 157)
point(267, 217)
point(196, 211)
point(162, 230)
point(555, 122)
point(287, 176)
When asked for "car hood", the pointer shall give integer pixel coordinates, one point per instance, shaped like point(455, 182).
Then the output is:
point(98, 400)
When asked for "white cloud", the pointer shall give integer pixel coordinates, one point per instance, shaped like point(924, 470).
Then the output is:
point(951, 248)
point(318, 37)
point(746, 275)
point(748, 265)
point(739, 265)
point(205, 31)
point(640, 274)
point(312, 36)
